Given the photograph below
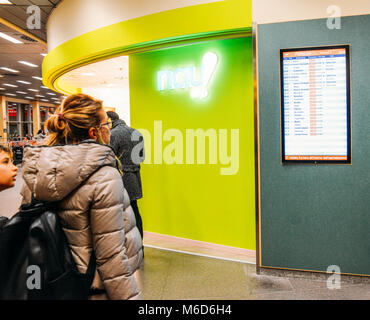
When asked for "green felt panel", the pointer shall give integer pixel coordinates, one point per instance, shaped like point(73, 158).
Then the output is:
point(314, 216)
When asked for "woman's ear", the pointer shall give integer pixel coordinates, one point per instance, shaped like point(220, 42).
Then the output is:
point(93, 134)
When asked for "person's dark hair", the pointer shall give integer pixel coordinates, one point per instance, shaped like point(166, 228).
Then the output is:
point(5, 149)
point(40, 132)
point(113, 115)
point(71, 122)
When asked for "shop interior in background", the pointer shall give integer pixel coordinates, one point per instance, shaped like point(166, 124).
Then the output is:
point(20, 118)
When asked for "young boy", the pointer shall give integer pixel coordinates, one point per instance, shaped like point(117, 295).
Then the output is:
point(8, 171)
point(8, 174)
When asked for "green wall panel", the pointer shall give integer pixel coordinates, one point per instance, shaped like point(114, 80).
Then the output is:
point(314, 216)
point(195, 201)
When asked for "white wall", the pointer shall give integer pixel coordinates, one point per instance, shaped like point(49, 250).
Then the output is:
point(269, 11)
point(73, 18)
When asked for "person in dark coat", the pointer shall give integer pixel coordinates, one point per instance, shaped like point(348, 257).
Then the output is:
point(128, 144)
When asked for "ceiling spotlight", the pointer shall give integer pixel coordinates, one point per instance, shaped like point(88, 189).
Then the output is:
point(9, 38)
point(33, 90)
point(29, 64)
point(8, 69)
point(10, 94)
point(38, 78)
point(24, 82)
point(10, 85)
point(21, 92)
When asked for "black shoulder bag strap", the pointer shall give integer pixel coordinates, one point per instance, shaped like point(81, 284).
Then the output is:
point(90, 273)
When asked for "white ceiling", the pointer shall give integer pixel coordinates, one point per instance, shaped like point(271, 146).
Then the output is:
point(107, 80)
point(10, 55)
point(107, 73)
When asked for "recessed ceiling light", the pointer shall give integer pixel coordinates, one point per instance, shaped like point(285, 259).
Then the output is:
point(2, 89)
point(51, 94)
point(39, 95)
point(24, 82)
point(8, 69)
point(30, 98)
point(9, 38)
point(10, 85)
point(21, 92)
point(10, 94)
point(44, 87)
point(45, 100)
point(33, 90)
point(29, 64)
point(38, 78)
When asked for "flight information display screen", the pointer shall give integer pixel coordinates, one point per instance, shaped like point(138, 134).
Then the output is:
point(315, 103)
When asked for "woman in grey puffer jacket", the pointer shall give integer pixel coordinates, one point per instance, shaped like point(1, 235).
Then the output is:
point(76, 168)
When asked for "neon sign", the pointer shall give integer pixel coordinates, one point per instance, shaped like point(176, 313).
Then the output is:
point(189, 77)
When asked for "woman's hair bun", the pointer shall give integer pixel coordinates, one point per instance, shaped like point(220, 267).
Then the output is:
point(56, 124)
point(73, 119)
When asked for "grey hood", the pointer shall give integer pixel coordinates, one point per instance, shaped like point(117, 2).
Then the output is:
point(51, 173)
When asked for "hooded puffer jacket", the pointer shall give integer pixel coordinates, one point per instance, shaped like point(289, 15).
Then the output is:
point(95, 210)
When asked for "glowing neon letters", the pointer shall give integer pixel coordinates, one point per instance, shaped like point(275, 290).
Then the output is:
point(190, 77)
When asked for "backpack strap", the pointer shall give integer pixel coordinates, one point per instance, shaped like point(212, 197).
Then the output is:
point(90, 273)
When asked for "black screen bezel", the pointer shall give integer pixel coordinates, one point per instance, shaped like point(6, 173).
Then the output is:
point(348, 80)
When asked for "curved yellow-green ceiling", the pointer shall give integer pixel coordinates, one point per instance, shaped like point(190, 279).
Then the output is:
point(155, 30)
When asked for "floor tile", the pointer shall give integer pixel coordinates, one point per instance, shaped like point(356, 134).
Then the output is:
point(199, 277)
point(153, 273)
point(358, 292)
point(307, 284)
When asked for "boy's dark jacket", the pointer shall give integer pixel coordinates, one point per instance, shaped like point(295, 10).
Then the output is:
point(3, 221)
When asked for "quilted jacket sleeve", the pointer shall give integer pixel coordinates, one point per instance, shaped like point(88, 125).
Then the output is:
point(107, 226)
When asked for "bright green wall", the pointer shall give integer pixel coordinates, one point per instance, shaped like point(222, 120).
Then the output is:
point(195, 201)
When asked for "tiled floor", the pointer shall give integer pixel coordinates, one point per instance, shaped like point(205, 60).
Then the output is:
point(169, 275)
